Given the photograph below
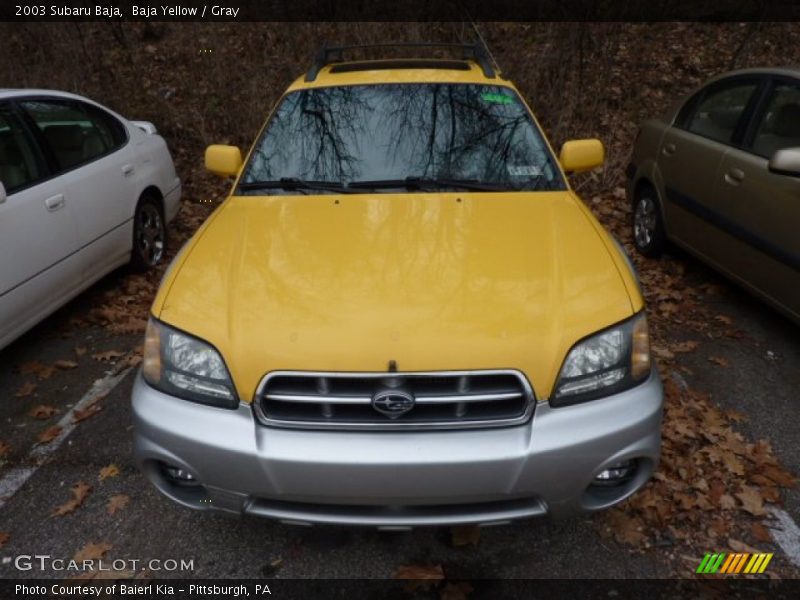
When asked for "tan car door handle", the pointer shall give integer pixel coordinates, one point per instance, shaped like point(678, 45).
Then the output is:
point(54, 203)
point(668, 149)
point(734, 176)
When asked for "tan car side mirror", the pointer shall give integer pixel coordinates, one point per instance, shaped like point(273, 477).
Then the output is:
point(786, 162)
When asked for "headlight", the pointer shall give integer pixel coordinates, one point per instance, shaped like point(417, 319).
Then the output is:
point(184, 366)
point(605, 363)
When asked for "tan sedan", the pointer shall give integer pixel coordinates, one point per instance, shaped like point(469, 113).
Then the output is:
point(719, 175)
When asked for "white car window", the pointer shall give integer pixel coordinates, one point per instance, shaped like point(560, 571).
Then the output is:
point(18, 165)
point(75, 132)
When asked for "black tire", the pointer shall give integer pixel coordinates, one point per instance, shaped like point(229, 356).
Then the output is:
point(149, 234)
point(648, 224)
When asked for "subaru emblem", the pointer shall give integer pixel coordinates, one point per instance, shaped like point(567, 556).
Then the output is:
point(392, 403)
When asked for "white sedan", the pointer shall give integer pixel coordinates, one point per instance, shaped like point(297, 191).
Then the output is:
point(82, 192)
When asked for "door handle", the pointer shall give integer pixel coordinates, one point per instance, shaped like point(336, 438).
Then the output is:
point(127, 170)
point(54, 202)
point(668, 149)
point(734, 176)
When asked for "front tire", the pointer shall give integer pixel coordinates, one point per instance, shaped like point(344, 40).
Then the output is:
point(648, 225)
point(149, 234)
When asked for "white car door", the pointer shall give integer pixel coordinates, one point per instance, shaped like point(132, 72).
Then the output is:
point(38, 236)
point(91, 147)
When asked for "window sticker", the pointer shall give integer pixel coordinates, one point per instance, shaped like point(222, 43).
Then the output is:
point(524, 170)
point(497, 98)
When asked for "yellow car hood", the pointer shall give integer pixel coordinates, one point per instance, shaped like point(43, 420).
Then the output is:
point(430, 281)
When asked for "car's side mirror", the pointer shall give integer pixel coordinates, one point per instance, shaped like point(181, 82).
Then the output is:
point(224, 161)
point(786, 162)
point(581, 155)
point(3, 194)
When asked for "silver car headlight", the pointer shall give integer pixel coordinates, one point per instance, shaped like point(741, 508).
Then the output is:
point(605, 363)
point(182, 365)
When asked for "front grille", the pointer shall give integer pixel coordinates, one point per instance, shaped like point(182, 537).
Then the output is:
point(441, 400)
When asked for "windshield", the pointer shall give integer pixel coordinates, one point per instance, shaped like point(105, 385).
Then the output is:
point(436, 136)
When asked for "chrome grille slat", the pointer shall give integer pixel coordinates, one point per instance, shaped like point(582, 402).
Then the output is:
point(442, 400)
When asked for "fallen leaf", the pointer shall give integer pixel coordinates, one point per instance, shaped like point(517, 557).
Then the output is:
point(779, 476)
point(760, 532)
point(738, 546)
point(116, 503)
point(110, 471)
point(80, 351)
point(4, 448)
point(726, 501)
point(455, 591)
point(420, 577)
point(26, 390)
point(85, 413)
point(751, 501)
point(49, 434)
point(4, 537)
point(718, 361)
point(661, 352)
point(43, 411)
point(108, 355)
point(37, 368)
point(65, 364)
point(684, 346)
point(92, 551)
point(79, 493)
point(464, 535)
point(723, 319)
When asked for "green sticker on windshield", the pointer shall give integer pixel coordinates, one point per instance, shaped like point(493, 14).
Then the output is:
point(497, 98)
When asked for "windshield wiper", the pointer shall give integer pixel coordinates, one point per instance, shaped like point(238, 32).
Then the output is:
point(294, 184)
point(418, 183)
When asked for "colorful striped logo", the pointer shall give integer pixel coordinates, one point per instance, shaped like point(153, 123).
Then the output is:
point(731, 564)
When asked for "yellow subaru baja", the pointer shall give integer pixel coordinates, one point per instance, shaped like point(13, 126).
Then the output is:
point(402, 315)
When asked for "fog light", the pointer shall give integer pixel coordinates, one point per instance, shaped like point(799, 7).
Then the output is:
point(179, 475)
point(616, 473)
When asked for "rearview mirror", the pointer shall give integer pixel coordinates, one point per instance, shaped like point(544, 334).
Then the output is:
point(2, 193)
point(786, 162)
point(581, 155)
point(224, 161)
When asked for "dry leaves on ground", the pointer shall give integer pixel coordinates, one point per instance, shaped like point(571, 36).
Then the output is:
point(35, 367)
point(717, 360)
point(79, 491)
point(111, 470)
point(711, 485)
point(25, 390)
point(117, 503)
point(90, 411)
point(49, 434)
point(92, 551)
point(65, 365)
point(43, 412)
point(420, 576)
point(5, 448)
point(4, 537)
point(108, 355)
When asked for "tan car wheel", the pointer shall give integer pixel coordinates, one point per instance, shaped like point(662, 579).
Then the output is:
point(648, 228)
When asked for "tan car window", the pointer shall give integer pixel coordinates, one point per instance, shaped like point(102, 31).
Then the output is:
point(18, 165)
point(780, 125)
point(719, 112)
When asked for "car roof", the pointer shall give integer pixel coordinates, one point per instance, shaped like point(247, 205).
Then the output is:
point(787, 71)
point(17, 92)
point(411, 70)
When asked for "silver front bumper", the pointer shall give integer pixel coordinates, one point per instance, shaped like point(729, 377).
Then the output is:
point(399, 479)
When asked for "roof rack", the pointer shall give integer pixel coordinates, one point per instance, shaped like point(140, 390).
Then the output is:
point(476, 51)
